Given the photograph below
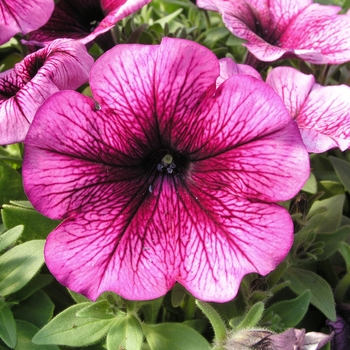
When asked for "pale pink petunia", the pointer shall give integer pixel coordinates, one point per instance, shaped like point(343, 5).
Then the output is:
point(287, 28)
point(321, 112)
point(63, 64)
point(291, 339)
point(162, 177)
point(17, 16)
point(86, 20)
point(229, 67)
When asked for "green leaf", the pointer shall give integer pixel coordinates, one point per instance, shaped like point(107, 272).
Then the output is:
point(174, 336)
point(291, 312)
point(331, 241)
point(213, 35)
point(150, 310)
point(25, 333)
point(178, 295)
point(126, 333)
point(11, 236)
point(36, 283)
point(345, 251)
point(36, 226)
point(19, 265)
point(311, 184)
point(252, 317)
point(342, 168)
point(100, 309)
point(10, 184)
point(330, 188)
point(325, 221)
point(166, 19)
point(8, 332)
point(69, 329)
point(78, 298)
point(37, 309)
point(321, 293)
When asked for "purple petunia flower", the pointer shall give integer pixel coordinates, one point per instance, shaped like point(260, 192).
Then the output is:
point(287, 28)
point(164, 178)
point(22, 16)
point(321, 112)
point(341, 328)
point(63, 64)
point(86, 19)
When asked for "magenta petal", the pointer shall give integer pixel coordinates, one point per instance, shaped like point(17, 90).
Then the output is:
point(116, 10)
point(322, 113)
point(64, 64)
point(23, 16)
point(287, 28)
point(168, 89)
point(229, 67)
point(99, 251)
point(133, 175)
point(322, 32)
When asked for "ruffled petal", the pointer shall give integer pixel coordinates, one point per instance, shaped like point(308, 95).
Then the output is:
point(18, 16)
point(64, 64)
point(140, 247)
point(319, 29)
point(322, 113)
point(116, 10)
point(292, 86)
point(152, 90)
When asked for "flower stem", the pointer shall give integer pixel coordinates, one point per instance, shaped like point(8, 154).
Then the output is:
point(190, 308)
point(215, 320)
point(341, 288)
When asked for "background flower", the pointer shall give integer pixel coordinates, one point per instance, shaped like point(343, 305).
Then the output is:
point(287, 28)
point(321, 112)
point(165, 178)
point(85, 20)
point(23, 16)
point(63, 64)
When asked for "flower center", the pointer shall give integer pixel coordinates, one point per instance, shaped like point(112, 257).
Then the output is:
point(167, 164)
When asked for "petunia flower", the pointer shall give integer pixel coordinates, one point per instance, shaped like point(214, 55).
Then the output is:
point(86, 19)
point(162, 178)
point(23, 16)
point(63, 64)
point(341, 328)
point(321, 112)
point(263, 339)
point(287, 28)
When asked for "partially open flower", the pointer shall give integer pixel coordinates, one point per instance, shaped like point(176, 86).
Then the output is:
point(263, 339)
point(287, 28)
point(63, 64)
point(163, 177)
point(229, 67)
point(22, 16)
point(85, 20)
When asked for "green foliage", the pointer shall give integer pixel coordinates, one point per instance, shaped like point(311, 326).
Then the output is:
point(290, 312)
point(174, 336)
point(69, 329)
point(19, 265)
point(321, 294)
point(126, 333)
